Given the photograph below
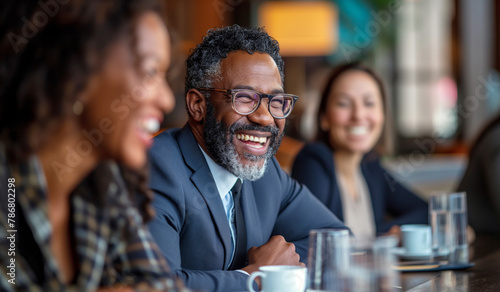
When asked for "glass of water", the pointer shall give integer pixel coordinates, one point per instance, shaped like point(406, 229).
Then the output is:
point(328, 256)
point(448, 217)
point(459, 252)
point(441, 226)
point(339, 263)
point(371, 265)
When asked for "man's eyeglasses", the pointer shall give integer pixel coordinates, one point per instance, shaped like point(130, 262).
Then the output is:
point(246, 101)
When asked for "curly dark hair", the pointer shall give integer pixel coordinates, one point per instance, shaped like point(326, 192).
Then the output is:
point(48, 53)
point(203, 64)
point(334, 75)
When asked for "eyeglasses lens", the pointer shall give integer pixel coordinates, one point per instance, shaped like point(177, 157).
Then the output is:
point(246, 101)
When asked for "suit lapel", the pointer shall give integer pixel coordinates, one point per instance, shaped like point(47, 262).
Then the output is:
point(374, 194)
point(204, 182)
point(336, 204)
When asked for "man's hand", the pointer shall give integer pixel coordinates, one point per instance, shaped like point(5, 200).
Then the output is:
point(277, 251)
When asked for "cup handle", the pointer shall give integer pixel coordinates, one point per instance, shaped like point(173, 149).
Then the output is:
point(251, 278)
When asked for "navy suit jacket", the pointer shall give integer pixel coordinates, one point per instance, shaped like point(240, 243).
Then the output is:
point(314, 167)
point(191, 227)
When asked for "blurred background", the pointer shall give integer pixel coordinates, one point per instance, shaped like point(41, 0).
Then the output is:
point(440, 60)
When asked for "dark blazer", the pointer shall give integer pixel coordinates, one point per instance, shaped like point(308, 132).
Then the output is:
point(314, 167)
point(191, 227)
point(481, 182)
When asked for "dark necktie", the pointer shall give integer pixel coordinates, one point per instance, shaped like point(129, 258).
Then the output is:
point(240, 250)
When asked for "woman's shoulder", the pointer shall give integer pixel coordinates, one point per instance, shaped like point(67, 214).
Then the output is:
point(488, 141)
point(492, 137)
point(315, 149)
point(313, 156)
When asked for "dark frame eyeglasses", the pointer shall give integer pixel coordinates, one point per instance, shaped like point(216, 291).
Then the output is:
point(247, 101)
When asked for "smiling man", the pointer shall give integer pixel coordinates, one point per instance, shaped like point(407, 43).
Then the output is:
point(224, 207)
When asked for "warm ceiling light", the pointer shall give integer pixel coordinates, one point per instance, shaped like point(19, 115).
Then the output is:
point(303, 28)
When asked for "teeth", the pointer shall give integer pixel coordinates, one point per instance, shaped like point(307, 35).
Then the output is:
point(258, 146)
point(150, 125)
point(251, 138)
point(359, 130)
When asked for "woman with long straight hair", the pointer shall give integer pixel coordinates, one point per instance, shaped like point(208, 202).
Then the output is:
point(342, 169)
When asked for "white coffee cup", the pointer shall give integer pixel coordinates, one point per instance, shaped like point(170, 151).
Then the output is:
point(416, 238)
point(279, 278)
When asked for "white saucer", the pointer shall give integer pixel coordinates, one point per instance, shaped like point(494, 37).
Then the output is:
point(413, 256)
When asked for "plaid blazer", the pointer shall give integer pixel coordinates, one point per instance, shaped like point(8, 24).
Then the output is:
point(113, 246)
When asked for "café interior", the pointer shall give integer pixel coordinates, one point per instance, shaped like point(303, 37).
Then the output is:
point(439, 61)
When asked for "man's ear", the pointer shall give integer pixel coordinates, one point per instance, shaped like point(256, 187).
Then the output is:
point(196, 105)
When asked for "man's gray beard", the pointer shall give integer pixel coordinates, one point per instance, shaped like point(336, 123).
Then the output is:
point(218, 138)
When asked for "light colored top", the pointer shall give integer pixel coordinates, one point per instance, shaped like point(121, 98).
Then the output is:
point(224, 180)
point(358, 212)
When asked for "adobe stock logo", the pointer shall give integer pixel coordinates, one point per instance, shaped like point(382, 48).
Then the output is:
point(32, 26)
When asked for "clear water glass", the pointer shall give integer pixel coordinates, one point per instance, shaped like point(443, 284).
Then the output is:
point(339, 263)
point(328, 255)
point(448, 217)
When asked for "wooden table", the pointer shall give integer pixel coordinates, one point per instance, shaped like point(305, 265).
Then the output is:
point(484, 252)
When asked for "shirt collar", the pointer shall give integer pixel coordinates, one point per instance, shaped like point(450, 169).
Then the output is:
point(224, 180)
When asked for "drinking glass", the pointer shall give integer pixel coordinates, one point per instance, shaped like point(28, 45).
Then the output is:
point(459, 252)
point(339, 263)
point(328, 256)
point(371, 265)
point(440, 219)
point(448, 216)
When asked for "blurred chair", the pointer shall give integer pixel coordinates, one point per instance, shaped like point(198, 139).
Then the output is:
point(289, 148)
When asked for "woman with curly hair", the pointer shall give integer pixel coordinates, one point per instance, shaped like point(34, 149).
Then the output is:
point(82, 89)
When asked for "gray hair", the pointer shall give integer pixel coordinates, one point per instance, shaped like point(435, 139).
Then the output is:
point(203, 64)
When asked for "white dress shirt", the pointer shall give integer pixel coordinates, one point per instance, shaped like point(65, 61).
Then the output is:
point(224, 180)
